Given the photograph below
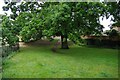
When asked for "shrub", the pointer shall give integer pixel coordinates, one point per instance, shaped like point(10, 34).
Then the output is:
point(112, 33)
point(103, 42)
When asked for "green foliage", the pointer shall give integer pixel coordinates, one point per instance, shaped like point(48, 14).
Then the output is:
point(31, 28)
point(76, 39)
point(23, 7)
point(70, 20)
point(116, 24)
point(73, 19)
point(112, 33)
point(8, 34)
point(26, 19)
point(57, 19)
point(114, 9)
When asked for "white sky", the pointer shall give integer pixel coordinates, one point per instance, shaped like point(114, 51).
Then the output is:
point(105, 22)
point(1, 10)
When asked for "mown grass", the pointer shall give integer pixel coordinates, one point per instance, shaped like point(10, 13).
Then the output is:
point(76, 62)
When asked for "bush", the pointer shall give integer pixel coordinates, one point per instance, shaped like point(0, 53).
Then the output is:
point(112, 33)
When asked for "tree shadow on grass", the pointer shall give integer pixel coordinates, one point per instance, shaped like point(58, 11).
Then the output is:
point(74, 51)
point(39, 43)
point(87, 52)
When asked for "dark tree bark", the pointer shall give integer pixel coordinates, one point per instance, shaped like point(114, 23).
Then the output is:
point(64, 42)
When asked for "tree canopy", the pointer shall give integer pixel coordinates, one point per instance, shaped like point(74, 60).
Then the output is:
point(33, 20)
point(9, 35)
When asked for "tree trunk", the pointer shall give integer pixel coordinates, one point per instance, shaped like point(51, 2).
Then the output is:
point(64, 42)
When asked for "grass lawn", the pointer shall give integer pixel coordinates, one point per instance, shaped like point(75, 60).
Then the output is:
point(77, 62)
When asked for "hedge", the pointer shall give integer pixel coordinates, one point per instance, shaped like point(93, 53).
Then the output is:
point(103, 42)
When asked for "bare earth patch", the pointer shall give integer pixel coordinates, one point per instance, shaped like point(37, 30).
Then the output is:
point(36, 43)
